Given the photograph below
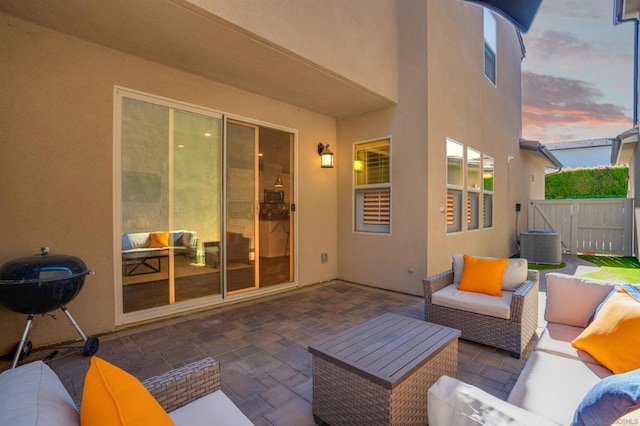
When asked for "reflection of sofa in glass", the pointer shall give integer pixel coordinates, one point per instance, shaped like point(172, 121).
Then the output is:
point(237, 250)
point(142, 251)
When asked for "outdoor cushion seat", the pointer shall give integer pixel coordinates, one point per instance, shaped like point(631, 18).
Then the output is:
point(451, 297)
point(556, 339)
point(506, 322)
point(560, 397)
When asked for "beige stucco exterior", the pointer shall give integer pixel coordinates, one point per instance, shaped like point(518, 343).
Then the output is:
point(408, 70)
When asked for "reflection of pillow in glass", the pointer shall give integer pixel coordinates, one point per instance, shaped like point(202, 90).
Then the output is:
point(613, 338)
point(610, 399)
point(112, 396)
point(482, 275)
point(159, 239)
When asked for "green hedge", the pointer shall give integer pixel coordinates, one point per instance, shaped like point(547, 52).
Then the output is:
point(597, 182)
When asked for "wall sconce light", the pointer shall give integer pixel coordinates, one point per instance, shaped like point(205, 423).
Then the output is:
point(326, 156)
point(278, 183)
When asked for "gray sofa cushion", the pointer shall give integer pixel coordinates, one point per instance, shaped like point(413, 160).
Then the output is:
point(32, 395)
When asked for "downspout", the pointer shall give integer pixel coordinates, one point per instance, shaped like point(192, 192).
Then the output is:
point(617, 20)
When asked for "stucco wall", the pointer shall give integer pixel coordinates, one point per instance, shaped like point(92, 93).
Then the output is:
point(396, 261)
point(327, 33)
point(57, 164)
point(466, 107)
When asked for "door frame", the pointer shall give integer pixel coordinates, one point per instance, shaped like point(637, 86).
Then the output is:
point(122, 319)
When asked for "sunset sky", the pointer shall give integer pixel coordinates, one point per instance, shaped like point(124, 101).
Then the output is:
point(577, 77)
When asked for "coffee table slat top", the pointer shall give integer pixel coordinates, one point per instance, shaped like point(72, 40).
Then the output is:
point(385, 349)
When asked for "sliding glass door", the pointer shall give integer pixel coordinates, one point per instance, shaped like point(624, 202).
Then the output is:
point(205, 207)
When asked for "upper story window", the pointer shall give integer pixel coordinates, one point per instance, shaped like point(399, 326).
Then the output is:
point(372, 186)
point(490, 46)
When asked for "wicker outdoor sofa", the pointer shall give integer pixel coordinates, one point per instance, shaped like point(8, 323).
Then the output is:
point(32, 394)
point(512, 334)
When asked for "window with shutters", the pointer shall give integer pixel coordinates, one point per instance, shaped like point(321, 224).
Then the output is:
point(473, 189)
point(487, 188)
point(372, 186)
point(455, 169)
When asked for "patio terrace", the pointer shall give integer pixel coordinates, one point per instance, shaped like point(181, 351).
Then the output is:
point(262, 347)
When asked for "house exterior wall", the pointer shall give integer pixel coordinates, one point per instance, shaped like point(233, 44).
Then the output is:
point(466, 107)
point(395, 261)
point(57, 131)
point(57, 167)
point(326, 33)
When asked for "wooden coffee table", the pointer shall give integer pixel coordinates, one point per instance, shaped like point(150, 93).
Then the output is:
point(379, 372)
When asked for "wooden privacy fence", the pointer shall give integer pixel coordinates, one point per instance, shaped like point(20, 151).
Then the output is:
point(595, 225)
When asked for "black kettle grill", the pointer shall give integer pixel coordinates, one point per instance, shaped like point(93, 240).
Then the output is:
point(39, 284)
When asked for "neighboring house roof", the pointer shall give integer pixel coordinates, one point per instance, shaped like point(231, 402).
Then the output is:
point(583, 153)
point(519, 12)
point(587, 143)
point(541, 149)
point(624, 146)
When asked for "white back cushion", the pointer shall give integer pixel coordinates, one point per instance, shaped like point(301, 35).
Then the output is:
point(514, 274)
point(572, 300)
point(33, 395)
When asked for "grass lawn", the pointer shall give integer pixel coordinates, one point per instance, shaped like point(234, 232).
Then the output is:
point(614, 269)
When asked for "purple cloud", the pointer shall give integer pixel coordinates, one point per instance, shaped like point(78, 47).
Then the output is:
point(550, 101)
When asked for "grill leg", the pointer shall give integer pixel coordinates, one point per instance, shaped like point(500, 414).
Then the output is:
point(23, 340)
point(73, 322)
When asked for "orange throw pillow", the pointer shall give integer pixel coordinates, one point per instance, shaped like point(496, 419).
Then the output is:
point(613, 338)
point(481, 275)
point(159, 239)
point(114, 397)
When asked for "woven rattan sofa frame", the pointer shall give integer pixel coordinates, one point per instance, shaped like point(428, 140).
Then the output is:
point(512, 335)
point(184, 385)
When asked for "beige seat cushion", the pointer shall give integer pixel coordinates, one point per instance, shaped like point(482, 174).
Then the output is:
point(214, 408)
point(451, 297)
point(556, 339)
point(553, 386)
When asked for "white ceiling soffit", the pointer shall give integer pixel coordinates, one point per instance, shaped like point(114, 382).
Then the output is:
point(178, 34)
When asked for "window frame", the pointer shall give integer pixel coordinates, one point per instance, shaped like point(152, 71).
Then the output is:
point(455, 191)
point(469, 194)
point(359, 191)
point(490, 46)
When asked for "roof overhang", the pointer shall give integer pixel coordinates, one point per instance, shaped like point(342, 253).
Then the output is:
point(182, 35)
point(625, 10)
point(534, 146)
point(624, 147)
point(518, 12)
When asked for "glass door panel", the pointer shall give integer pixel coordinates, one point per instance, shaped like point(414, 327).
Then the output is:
point(171, 163)
point(276, 198)
point(196, 204)
point(240, 243)
point(145, 208)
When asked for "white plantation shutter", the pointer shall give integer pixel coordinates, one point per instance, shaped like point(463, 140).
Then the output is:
point(377, 208)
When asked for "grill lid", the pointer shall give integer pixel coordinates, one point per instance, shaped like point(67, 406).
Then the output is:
point(42, 268)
